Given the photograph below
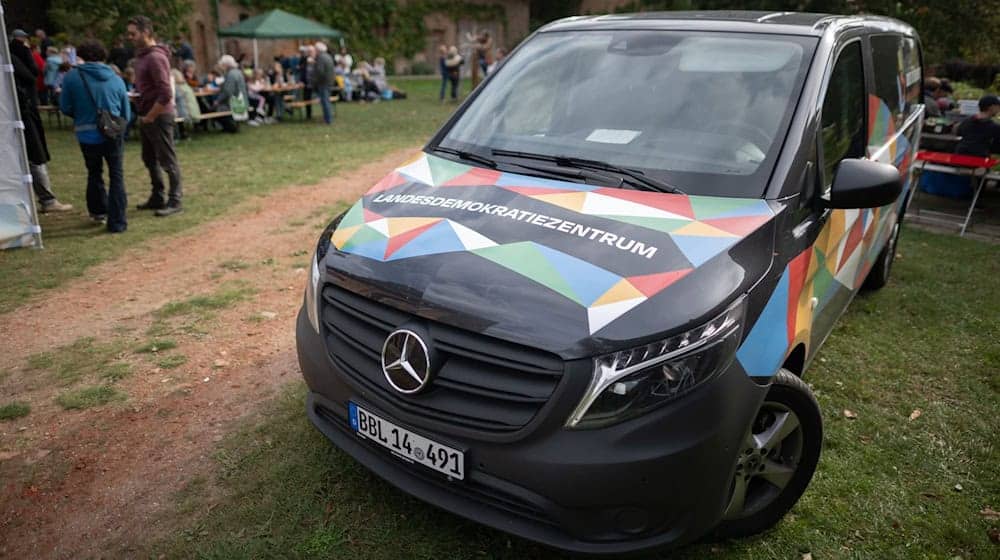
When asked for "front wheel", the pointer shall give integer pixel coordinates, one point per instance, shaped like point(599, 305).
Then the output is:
point(777, 459)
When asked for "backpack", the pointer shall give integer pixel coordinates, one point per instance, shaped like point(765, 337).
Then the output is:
point(109, 125)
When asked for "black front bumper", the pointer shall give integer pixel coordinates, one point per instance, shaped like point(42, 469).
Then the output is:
point(658, 480)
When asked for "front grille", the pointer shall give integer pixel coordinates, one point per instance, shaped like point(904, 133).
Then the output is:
point(482, 383)
point(469, 488)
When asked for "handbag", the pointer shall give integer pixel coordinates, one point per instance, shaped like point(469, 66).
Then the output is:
point(238, 107)
point(109, 125)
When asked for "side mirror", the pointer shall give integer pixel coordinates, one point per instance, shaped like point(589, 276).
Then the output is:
point(862, 183)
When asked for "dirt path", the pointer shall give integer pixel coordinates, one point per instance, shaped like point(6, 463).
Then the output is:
point(81, 483)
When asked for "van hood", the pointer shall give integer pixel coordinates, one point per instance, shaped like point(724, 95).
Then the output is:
point(571, 268)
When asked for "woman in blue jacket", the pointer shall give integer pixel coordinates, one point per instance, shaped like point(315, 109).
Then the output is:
point(107, 92)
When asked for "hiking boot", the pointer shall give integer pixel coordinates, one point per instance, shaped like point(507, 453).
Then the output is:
point(54, 206)
point(152, 204)
point(99, 218)
point(169, 210)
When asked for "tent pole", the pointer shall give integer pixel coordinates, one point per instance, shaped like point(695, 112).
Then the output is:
point(256, 63)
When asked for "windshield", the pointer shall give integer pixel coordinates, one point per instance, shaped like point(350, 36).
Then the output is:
point(705, 112)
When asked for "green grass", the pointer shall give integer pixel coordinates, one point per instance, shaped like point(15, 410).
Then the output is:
point(171, 361)
point(156, 345)
point(70, 363)
point(234, 265)
point(884, 487)
point(218, 171)
point(226, 296)
point(16, 409)
point(89, 397)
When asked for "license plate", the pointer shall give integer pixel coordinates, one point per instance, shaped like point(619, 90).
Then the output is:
point(407, 445)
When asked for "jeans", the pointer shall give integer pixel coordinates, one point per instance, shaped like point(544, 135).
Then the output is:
point(40, 183)
point(307, 93)
point(454, 86)
point(444, 84)
point(110, 202)
point(324, 102)
point(158, 154)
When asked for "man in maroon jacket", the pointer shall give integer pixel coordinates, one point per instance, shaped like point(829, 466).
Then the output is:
point(155, 106)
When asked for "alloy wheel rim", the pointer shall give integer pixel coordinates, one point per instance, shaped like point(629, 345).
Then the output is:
point(769, 458)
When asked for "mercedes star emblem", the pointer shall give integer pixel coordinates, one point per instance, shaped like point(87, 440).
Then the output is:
point(406, 362)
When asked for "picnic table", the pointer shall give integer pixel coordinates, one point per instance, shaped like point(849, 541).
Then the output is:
point(206, 91)
point(279, 91)
point(960, 164)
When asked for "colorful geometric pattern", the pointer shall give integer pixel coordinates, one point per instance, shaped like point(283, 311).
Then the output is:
point(840, 258)
point(700, 228)
point(605, 295)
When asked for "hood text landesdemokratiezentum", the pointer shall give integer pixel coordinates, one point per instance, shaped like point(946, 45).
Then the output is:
point(588, 232)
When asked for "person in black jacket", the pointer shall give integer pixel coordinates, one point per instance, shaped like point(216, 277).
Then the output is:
point(980, 133)
point(25, 76)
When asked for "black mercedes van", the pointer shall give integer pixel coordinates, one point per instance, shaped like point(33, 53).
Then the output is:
point(582, 313)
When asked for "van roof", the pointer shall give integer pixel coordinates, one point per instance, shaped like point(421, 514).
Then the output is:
point(787, 23)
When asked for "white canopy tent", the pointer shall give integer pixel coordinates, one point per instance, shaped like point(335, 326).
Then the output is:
point(18, 215)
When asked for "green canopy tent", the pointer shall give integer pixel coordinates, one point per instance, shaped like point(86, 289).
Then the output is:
point(278, 24)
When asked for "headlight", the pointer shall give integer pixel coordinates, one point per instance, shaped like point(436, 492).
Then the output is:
point(312, 289)
point(312, 284)
point(631, 382)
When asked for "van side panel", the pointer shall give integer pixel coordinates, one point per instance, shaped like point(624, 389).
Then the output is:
point(818, 283)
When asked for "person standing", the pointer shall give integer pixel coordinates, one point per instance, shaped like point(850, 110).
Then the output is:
point(155, 105)
point(44, 42)
point(453, 64)
point(443, 70)
point(322, 77)
point(92, 87)
point(25, 75)
point(306, 63)
point(120, 55)
point(53, 60)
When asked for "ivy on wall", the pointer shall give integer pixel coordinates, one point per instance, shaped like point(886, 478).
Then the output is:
point(385, 28)
point(106, 19)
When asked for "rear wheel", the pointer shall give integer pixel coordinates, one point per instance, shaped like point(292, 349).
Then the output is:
point(777, 459)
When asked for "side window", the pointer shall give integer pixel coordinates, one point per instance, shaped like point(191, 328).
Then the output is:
point(912, 72)
point(890, 76)
point(843, 133)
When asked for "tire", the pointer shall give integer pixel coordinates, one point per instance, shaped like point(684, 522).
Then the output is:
point(791, 460)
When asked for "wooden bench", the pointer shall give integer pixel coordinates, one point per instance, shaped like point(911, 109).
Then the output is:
point(205, 117)
point(52, 110)
point(291, 103)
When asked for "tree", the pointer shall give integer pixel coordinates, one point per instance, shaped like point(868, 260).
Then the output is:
point(106, 19)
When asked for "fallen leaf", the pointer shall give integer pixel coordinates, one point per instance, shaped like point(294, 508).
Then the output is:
point(807, 556)
point(930, 495)
point(994, 535)
point(915, 414)
point(958, 487)
point(850, 415)
point(990, 513)
point(220, 363)
point(268, 314)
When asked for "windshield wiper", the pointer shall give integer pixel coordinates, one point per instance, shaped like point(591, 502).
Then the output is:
point(467, 156)
point(635, 177)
